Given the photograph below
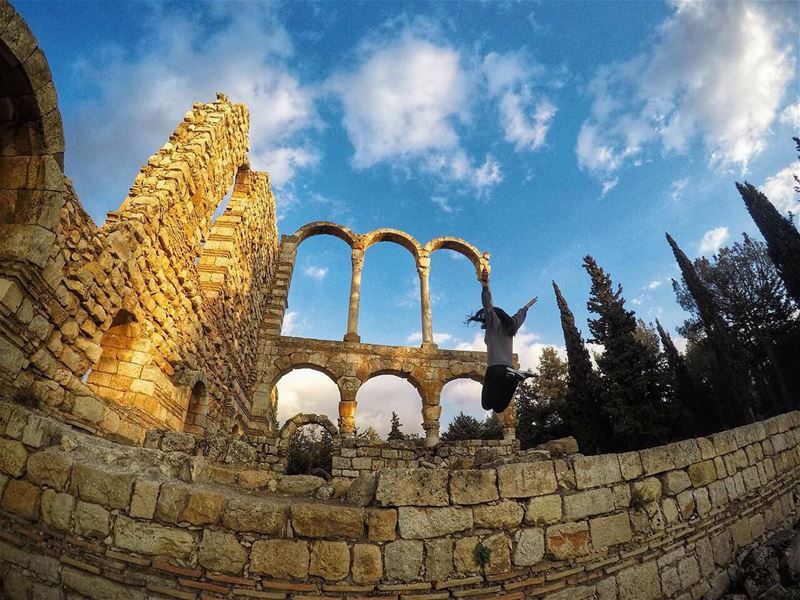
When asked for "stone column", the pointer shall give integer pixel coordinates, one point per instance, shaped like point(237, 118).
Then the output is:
point(355, 296)
point(348, 388)
point(508, 419)
point(430, 423)
point(424, 268)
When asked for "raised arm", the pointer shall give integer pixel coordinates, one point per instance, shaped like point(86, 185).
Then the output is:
point(486, 293)
point(519, 316)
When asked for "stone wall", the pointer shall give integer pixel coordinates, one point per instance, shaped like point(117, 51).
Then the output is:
point(83, 515)
point(150, 320)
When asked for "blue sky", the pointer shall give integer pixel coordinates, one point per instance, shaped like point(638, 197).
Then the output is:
point(538, 131)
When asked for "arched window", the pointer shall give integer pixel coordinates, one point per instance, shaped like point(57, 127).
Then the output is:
point(307, 391)
point(463, 397)
point(197, 412)
point(380, 396)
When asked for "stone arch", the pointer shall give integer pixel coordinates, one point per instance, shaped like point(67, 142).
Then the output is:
point(295, 366)
point(325, 228)
point(31, 145)
point(463, 247)
point(395, 236)
point(402, 374)
point(300, 420)
point(191, 384)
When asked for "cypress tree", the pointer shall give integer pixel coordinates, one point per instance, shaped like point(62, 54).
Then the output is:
point(687, 401)
point(582, 408)
point(395, 433)
point(732, 399)
point(782, 237)
point(631, 390)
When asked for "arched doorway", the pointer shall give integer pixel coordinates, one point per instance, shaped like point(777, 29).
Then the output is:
point(379, 397)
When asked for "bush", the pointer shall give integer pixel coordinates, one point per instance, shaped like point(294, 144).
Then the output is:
point(310, 451)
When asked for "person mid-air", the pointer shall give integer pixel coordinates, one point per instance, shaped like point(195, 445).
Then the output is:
point(501, 379)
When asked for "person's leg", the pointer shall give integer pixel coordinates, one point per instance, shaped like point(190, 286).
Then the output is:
point(506, 391)
point(492, 383)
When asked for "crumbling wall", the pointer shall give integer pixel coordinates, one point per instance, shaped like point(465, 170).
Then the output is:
point(87, 516)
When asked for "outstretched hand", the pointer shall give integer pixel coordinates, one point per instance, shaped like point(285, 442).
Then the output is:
point(532, 302)
point(484, 278)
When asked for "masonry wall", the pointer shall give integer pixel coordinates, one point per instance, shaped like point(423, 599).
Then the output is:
point(87, 516)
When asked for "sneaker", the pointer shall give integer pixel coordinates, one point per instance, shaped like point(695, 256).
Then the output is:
point(521, 375)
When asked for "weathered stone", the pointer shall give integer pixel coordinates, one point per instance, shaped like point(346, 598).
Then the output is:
point(561, 446)
point(675, 482)
point(594, 471)
point(588, 503)
point(145, 497)
point(12, 457)
point(524, 480)
point(246, 513)
point(152, 539)
point(367, 564)
point(22, 499)
point(175, 441)
point(91, 520)
point(240, 453)
point(506, 514)
point(414, 487)
point(57, 509)
point(298, 485)
point(330, 560)
point(172, 500)
point(50, 468)
point(98, 588)
point(421, 523)
point(647, 490)
point(568, 540)
point(203, 508)
point(610, 530)
point(253, 479)
point(403, 560)
point(543, 510)
point(639, 582)
point(702, 473)
point(499, 553)
point(283, 559)
point(689, 571)
point(686, 504)
point(102, 487)
point(362, 491)
point(530, 547)
point(630, 465)
point(381, 524)
point(325, 520)
point(473, 487)
point(464, 555)
point(221, 552)
point(438, 559)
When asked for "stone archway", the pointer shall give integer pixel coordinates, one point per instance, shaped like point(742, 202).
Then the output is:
point(300, 420)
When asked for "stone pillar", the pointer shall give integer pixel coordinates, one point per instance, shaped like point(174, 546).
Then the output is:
point(348, 388)
point(424, 268)
point(355, 296)
point(430, 423)
point(508, 419)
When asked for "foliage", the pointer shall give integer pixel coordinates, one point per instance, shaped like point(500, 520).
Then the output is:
point(481, 554)
point(466, 427)
point(492, 428)
point(309, 451)
point(541, 403)
point(369, 434)
point(551, 381)
point(395, 433)
point(631, 388)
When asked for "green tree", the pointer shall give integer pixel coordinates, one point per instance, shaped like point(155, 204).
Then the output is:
point(629, 365)
point(463, 427)
point(581, 413)
point(691, 415)
point(492, 428)
point(369, 434)
point(395, 433)
point(731, 398)
point(551, 380)
point(782, 237)
point(310, 451)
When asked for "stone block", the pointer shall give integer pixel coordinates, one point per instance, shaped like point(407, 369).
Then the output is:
point(588, 503)
point(203, 508)
point(367, 564)
point(672, 456)
point(248, 513)
point(530, 546)
point(473, 486)
point(686, 504)
point(464, 555)
point(610, 530)
point(91, 520)
point(594, 471)
point(647, 490)
point(403, 559)
point(630, 465)
point(299, 485)
point(506, 514)
point(221, 552)
point(57, 509)
point(327, 520)
point(689, 571)
point(145, 497)
point(362, 490)
point(412, 487)
point(12, 457)
point(330, 560)
point(525, 480)
point(639, 582)
point(422, 523)
point(98, 588)
point(568, 540)
point(21, 498)
point(152, 539)
point(438, 559)
point(381, 524)
point(49, 467)
point(112, 490)
point(253, 479)
point(172, 500)
point(282, 559)
point(702, 473)
point(499, 554)
point(675, 482)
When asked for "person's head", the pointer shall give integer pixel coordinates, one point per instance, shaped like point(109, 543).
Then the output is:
point(506, 322)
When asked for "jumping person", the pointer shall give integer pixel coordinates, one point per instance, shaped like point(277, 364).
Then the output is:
point(501, 379)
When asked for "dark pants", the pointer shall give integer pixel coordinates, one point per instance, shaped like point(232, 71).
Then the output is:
point(498, 388)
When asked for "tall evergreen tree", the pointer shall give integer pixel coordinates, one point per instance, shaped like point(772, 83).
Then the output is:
point(731, 398)
point(395, 433)
point(782, 237)
point(693, 415)
point(631, 390)
point(552, 376)
point(463, 427)
point(582, 413)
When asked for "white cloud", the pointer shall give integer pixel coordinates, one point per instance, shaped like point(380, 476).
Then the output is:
point(525, 116)
point(488, 174)
point(307, 391)
point(676, 189)
point(527, 346)
point(181, 60)
point(318, 273)
point(654, 284)
point(717, 70)
point(293, 323)
point(381, 395)
point(791, 115)
point(780, 189)
point(713, 240)
point(438, 338)
point(443, 203)
point(609, 185)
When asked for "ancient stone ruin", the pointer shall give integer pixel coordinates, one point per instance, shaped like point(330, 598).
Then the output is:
point(140, 455)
